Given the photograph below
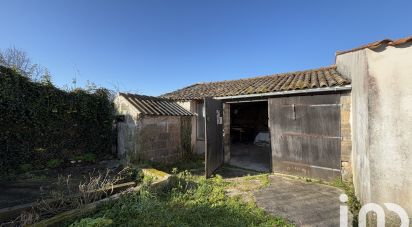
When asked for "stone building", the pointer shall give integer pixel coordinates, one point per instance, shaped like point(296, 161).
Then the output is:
point(351, 120)
point(296, 123)
point(151, 129)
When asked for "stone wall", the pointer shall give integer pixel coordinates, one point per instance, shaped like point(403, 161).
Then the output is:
point(381, 123)
point(151, 138)
point(346, 134)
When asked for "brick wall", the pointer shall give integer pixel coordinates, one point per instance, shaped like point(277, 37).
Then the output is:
point(346, 143)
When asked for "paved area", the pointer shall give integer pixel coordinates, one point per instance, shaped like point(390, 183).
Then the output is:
point(303, 203)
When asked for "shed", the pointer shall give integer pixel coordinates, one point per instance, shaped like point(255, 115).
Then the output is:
point(293, 123)
point(151, 129)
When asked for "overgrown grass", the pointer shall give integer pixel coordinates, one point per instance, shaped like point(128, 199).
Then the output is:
point(194, 164)
point(191, 201)
point(353, 202)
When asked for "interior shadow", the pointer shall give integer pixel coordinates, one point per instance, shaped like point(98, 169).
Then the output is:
point(228, 171)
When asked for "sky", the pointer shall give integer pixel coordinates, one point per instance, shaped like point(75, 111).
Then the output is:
point(153, 47)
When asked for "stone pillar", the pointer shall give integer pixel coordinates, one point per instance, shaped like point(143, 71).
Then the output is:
point(346, 143)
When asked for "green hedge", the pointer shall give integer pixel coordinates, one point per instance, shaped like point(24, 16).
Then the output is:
point(39, 122)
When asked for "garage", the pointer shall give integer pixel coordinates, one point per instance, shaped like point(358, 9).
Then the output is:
point(295, 123)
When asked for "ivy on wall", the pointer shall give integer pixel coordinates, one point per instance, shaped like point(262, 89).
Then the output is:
point(39, 122)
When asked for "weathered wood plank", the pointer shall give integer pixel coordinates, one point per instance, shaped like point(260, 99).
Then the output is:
point(214, 135)
point(161, 180)
point(10, 213)
point(305, 135)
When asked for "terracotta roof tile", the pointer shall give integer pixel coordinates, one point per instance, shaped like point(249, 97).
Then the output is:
point(314, 83)
point(306, 81)
point(329, 78)
point(309, 79)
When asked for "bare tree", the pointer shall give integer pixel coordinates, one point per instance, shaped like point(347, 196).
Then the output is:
point(19, 60)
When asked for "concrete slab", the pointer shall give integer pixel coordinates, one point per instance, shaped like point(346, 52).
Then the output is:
point(303, 203)
point(228, 172)
point(249, 156)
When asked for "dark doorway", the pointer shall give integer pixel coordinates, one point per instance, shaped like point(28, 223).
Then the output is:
point(249, 136)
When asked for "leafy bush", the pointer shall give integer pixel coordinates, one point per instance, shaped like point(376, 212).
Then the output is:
point(25, 167)
point(88, 157)
point(54, 163)
point(39, 122)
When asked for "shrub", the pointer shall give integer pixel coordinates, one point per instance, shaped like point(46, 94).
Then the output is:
point(54, 163)
point(89, 157)
point(39, 122)
point(92, 222)
point(26, 167)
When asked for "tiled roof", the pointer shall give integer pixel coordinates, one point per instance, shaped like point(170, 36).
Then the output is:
point(316, 78)
point(376, 44)
point(153, 106)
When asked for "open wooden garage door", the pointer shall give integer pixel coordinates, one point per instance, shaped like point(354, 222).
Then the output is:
point(213, 135)
point(305, 135)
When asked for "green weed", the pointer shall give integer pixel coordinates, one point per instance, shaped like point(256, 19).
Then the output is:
point(92, 222)
point(190, 201)
point(54, 163)
point(353, 202)
point(26, 167)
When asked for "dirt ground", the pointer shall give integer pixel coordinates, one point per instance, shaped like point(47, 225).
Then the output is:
point(32, 186)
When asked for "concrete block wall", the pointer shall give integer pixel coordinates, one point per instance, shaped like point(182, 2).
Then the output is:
point(159, 139)
point(126, 131)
